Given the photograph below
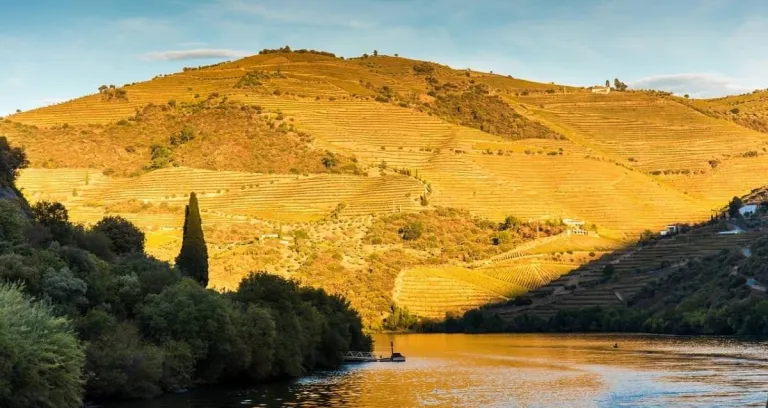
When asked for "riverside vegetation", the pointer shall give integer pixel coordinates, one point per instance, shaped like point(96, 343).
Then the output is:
point(85, 313)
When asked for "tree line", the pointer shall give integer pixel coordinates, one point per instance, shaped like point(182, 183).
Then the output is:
point(86, 314)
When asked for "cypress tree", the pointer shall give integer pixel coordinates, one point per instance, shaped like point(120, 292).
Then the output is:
point(193, 257)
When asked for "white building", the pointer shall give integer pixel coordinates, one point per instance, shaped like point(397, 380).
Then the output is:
point(604, 90)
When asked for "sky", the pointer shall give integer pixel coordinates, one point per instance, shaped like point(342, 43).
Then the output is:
point(52, 50)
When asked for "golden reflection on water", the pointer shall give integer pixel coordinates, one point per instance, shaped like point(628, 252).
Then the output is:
point(565, 370)
point(524, 371)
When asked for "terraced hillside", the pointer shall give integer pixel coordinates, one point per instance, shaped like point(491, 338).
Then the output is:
point(318, 150)
point(634, 267)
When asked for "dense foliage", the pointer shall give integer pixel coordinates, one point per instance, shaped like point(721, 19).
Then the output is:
point(123, 236)
point(40, 358)
point(117, 323)
point(12, 159)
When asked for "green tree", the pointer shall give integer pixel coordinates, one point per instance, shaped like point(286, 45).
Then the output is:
point(12, 159)
point(193, 258)
point(40, 359)
point(201, 318)
point(509, 223)
point(54, 216)
point(124, 236)
point(734, 206)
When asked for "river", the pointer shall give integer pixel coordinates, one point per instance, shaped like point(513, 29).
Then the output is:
point(513, 370)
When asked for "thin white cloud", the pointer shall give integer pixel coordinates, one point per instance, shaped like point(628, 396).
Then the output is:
point(203, 53)
point(698, 85)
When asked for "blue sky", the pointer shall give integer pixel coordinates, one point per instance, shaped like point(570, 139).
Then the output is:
point(52, 50)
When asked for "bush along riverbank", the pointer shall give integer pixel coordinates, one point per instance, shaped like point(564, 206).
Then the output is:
point(85, 314)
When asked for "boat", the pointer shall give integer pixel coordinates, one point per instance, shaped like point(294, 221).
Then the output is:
point(394, 357)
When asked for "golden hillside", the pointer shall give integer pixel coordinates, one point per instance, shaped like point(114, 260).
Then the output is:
point(320, 149)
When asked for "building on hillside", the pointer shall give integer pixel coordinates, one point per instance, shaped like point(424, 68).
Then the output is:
point(574, 226)
point(603, 90)
point(670, 230)
point(748, 209)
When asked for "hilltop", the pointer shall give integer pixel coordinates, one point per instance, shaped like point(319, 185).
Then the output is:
point(298, 157)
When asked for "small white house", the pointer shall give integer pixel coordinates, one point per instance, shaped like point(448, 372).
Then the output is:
point(748, 209)
point(604, 90)
point(669, 230)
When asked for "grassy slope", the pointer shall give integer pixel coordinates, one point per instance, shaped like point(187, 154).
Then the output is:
point(609, 171)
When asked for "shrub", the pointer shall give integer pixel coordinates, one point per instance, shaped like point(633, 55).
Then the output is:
point(13, 224)
point(121, 365)
point(161, 157)
point(412, 231)
point(423, 68)
point(40, 359)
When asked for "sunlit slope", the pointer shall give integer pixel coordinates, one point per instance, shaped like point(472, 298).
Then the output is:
point(332, 100)
point(264, 127)
point(276, 197)
point(434, 291)
point(567, 186)
point(646, 131)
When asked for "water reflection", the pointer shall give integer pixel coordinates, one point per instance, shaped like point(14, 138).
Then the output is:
point(523, 371)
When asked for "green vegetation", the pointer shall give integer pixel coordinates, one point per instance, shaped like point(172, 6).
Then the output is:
point(210, 134)
point(112, 93)
point(123, 236)
point(475, 106)
point(115, 323)
point(40, 359)
point(193, 257)
point(12, 159)
point(455, 234)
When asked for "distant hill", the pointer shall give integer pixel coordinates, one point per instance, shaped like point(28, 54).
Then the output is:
point(312, 145)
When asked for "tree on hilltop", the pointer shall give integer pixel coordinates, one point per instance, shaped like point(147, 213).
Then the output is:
point(620, 86)
point(193, 257)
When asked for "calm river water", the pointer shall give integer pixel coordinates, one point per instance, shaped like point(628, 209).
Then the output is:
point(522, 371)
